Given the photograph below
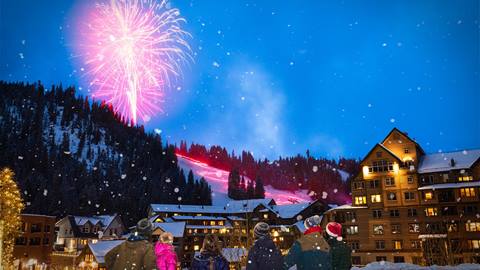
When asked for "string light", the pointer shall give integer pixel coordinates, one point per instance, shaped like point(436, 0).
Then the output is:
point(11, 205)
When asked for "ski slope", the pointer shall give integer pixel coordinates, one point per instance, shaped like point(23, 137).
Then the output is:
point(218, 180)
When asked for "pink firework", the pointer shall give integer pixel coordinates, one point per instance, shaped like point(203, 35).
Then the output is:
point(133, 50)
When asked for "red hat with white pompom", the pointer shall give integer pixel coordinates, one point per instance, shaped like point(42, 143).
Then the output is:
point(334, 229)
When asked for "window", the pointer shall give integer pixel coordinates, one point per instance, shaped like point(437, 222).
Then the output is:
point(212, 223)
point(406, 150)
point(428, 195)
point(473, 244)
point(467, 192)
point(375, 184)
point(396, 228)
point(392, 196)
point(472, 226)
point(381, 166)
point(265, 216)
point(395, 213)
point(415, 244)
point(431, 178)
point(20, 241)
point(380, 244)
point(350, 216)
point(196, 247)
point(452, 227)
point(465, 178)
point(85, 229)
point(449, 211)
point(389, 181)
point(356, 260)
point(37, 227)
point(431, 212)
point(351, 230)
point(381, 259)
point(355, 245)
point(358, 185)
point(360, 200)
point(46, 241)
point(378, 154)
point(410, 179)
point(377, 213)
point(397, 244)
point(409, 196)
point(376, 198)
point(378, 229)
point(46, 228)
point(34, 241)
point(412, 212)
point(434, 227)
point(89, 258)
point(24, 227)
point(413, 228)
point(398, 259)
point(470, 210)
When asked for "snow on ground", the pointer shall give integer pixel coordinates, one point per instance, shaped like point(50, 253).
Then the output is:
point(218, 180)
point(407, 266)
point(344, 175)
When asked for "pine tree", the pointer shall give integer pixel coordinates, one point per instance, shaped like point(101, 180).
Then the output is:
point(233, 184)
point(259, 189)
point(250, 190)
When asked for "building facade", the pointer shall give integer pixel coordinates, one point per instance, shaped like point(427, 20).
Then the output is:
point(35, 244)
point(409, 206)
point(233, 224)
point(75, 233)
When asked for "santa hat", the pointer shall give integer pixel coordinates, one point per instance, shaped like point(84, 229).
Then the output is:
point(334, 230)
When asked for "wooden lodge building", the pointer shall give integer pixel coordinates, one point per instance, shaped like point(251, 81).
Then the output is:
point(232, 223)
point(409, 206)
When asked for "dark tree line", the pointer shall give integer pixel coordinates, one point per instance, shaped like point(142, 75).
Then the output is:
point(317, 175)
point(241, 189)
point(74, 156)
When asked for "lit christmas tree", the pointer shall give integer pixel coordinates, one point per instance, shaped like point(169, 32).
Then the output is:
point(11, 206)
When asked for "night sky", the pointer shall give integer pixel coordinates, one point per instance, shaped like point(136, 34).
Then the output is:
point(278, 77)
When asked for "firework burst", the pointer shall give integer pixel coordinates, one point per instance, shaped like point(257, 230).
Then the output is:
point(132, 51)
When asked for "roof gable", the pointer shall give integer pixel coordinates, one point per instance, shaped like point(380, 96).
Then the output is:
point(381, 146)
point(404, 135)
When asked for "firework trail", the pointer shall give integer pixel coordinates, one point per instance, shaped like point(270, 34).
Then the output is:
point(133, 50)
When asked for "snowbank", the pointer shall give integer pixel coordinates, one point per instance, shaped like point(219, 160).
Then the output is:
point(407, 266)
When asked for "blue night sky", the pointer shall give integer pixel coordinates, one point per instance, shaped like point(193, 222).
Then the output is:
point(278, 77)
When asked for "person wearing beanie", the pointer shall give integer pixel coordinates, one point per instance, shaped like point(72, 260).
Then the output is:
point(165, 252)
point(210, 256)
point(264, 254)
point(341, 254)
point(136, 252)
point(311, 251)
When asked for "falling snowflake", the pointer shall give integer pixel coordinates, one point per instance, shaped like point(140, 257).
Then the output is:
point(215, 64)
point(168, 180)
point(45, 192)
point(392, 120)
point(179, 199)
point(124, 176)
point(315, 168)
point(176, 190)
point(158, 131)
point(324, 195)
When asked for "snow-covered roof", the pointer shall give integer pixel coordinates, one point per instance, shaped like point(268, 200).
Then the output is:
point(231, 206)
point(440, 162)
point(450, 185)
point(429, 236)
point(103, 220)
point(301, 225)
point(346, 206)
point(407, 266)
point(235, 218)
point(101, 248)
point(289, 210)
point(198, 218)
point(226, 226)
point(177, 229)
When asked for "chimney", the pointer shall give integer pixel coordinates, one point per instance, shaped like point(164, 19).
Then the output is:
point(452, 162)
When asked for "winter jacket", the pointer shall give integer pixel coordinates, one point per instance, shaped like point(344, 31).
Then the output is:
point(341, 254)
point(209, 261)
point(264, 255)
point(136, 254)
point(310, 252)
point(166, 256)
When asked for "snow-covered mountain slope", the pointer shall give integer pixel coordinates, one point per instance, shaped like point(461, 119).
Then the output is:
point(218, 181)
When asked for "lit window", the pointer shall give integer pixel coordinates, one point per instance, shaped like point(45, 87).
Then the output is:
point(428, 195)
point(352, 230)
point(465, 178)
point(410, 179)
point(431, 212)
point(376, 198)
point(381, 166)
point(196, 247)
point(212, 223)
point(377, 229)
point(474, 244)
point(265, 216)
point(360, 200)
point(472, 226)
point(397, 244)
point(186, 247)
point(467, 192)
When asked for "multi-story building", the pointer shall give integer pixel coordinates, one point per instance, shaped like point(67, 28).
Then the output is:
point(409, 206)
point(233, 223)
point(74, 233)
point(34, 245)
